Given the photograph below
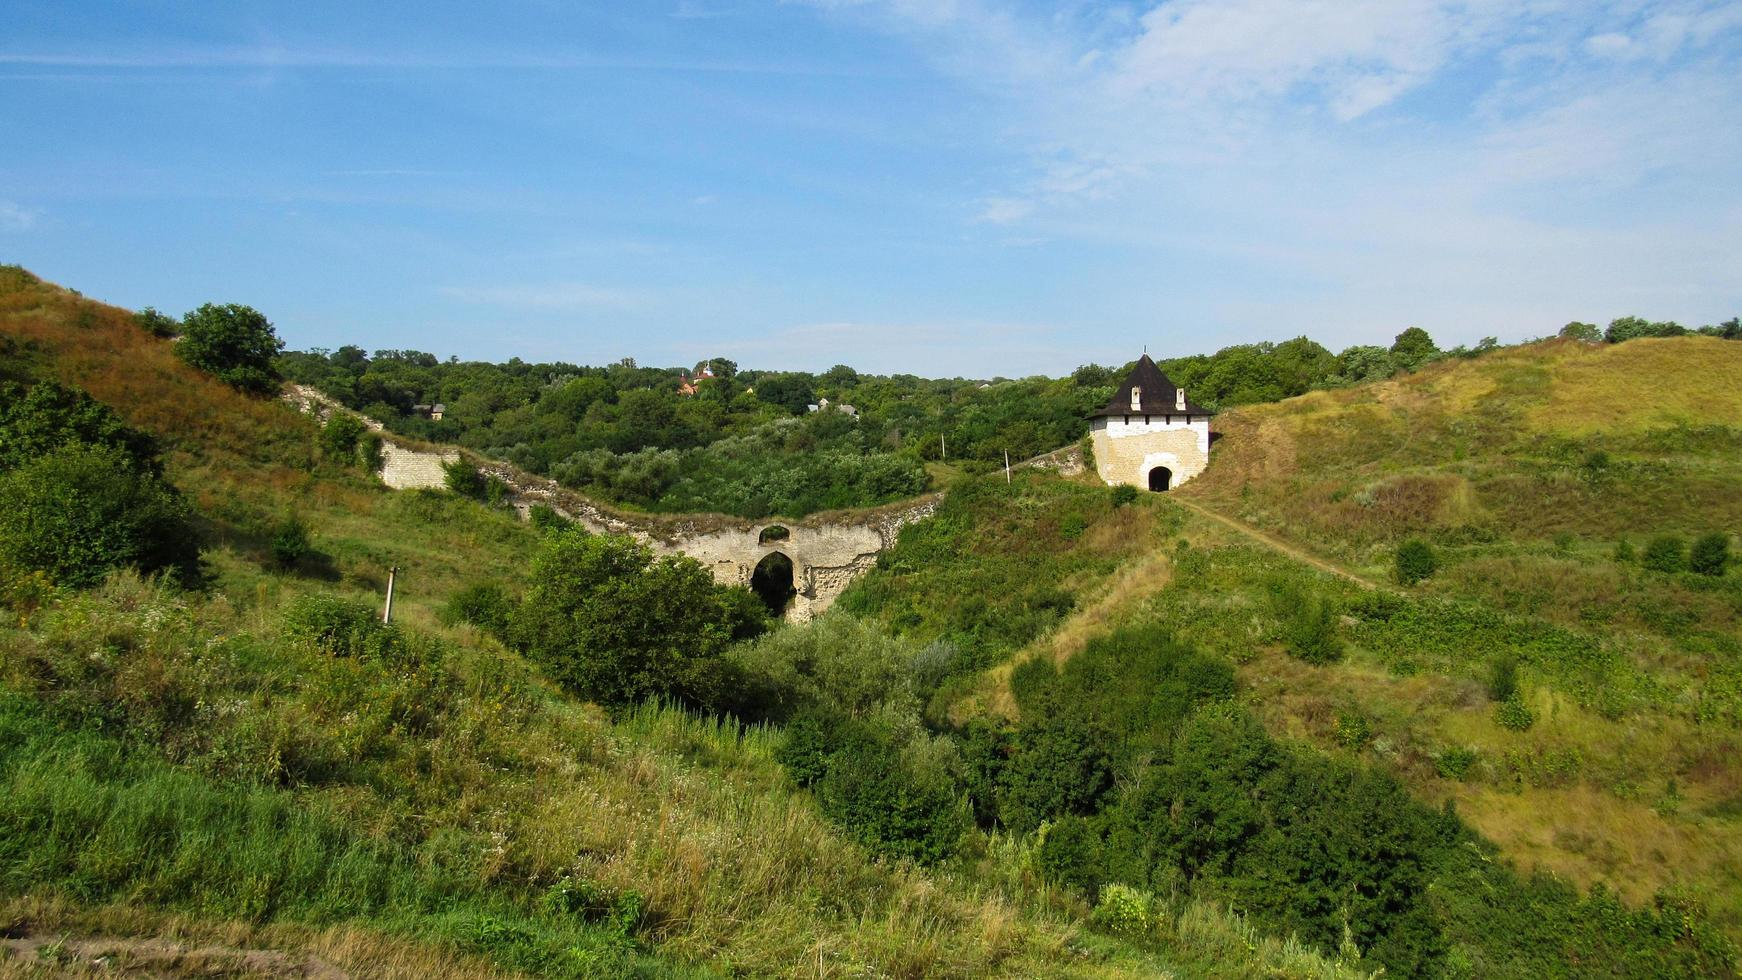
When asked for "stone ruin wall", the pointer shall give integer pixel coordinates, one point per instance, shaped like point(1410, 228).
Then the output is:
point(827, 551)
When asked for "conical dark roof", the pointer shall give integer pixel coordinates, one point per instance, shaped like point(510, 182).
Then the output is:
point(1156, 394)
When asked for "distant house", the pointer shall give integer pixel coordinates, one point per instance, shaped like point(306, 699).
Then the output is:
point(824, 403)
point(436, 411)
point(688, 384)
point(1150, 435)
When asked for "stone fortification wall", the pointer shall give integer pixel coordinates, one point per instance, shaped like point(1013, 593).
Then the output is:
point(1065, 462)
point(1125, 453)
point(411, 469)
point(827, 551)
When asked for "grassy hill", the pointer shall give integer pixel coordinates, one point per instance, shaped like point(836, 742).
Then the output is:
point(1528, 443)
point(197, 766)
point(1534, 472)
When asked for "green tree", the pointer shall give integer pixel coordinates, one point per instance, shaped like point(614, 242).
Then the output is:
point(1631, 327)
point(82, 510)
point(615, 625)
point(233, 343)
point(1364, 363)
point(1413, 348)
point(1711, 554)
point(1666, 553)
point(290, 541)
point(790, 391)
point(900, 803)
point(156, 324)
point(341, 436)
point(1587, 332)
point(1060, 766)
point(37, 420)
point(1414, 562)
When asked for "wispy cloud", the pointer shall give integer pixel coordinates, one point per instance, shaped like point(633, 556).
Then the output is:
point(564, 296)
point(15, 217)
point(1362, 150)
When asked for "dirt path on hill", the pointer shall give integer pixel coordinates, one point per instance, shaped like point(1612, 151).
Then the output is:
point(1277, 544)
point(37, 954)
point(1145, 576)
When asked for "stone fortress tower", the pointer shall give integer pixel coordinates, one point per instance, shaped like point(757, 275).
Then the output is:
point(1149, 435)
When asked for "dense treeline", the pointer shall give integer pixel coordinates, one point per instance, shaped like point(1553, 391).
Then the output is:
point(756, 443)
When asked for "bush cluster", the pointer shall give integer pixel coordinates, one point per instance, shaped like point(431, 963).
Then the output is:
point(1415, 561)
point(81, 493)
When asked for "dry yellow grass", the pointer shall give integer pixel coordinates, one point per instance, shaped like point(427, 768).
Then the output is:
point(1642, 384)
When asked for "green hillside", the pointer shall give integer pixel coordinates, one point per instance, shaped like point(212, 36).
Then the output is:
point(242, 765)
point(1054, 733)
point(1577, 704)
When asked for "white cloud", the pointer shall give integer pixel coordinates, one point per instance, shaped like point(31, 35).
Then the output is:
point(14, 217)
point(1004, 210)
point(566, 296)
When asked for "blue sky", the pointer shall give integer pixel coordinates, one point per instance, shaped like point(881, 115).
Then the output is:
point(943, 187)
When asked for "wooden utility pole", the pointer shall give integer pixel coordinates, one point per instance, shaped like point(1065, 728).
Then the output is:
point(387, 614)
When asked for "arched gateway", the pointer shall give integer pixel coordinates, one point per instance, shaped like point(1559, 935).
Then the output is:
point(1149, 435)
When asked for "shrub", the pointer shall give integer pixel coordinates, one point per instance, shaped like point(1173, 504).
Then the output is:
point(484, 605)
point(157, 324)
point(1070, 854)
point(1512, 713)
point(234, 344)
point(38, 420)
point(838, 663)
point(1456, 762)
point(1060, 766)
point(611, 623)
point(82, 510)
point(1667, 553)
point(341, 436)
point(290, 541)
point(1123, 494)
point(1353, 730)
point(338, 626)
point(1414, 562)
point(1624, 552)
point(1123, 911)
point(1503, 678)
point(1309, 629)
point(464, 479)
point(547, 519)
point(1711, 554)
point(805, 749)
point(891, 801)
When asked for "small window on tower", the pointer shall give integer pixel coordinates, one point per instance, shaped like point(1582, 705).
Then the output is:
point(1136, 398)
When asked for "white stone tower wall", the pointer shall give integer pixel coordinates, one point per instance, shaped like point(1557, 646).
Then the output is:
point(1125, 451)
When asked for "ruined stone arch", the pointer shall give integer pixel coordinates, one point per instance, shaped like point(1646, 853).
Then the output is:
point(775, 582)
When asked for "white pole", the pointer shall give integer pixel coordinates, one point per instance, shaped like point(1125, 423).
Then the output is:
point(943, 450)
point(1006, 466)
point(387, 614)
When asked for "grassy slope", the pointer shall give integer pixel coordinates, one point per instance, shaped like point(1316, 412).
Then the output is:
point(459, 786)
point(1628, 777)
point(1497, 446)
